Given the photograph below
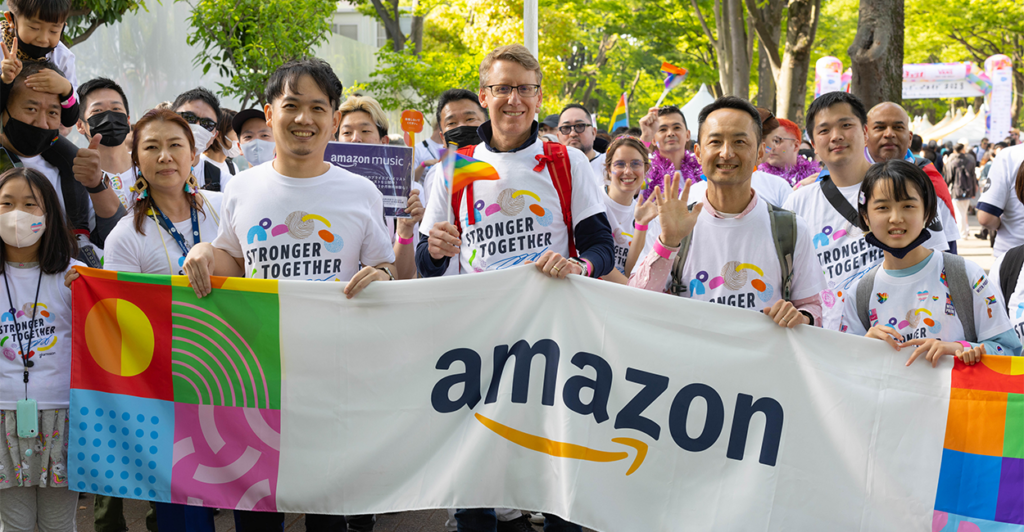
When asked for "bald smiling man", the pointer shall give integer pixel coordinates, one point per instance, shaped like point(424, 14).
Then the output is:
point(889, 137)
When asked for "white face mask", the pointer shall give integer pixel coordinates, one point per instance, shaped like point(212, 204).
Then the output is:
point(233, 151)
point(258, 151)
point(21, 229)
point(202, 136)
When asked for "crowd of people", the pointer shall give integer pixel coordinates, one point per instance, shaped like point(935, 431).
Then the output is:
point(847, 222)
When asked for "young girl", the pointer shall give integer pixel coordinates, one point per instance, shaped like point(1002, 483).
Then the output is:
point(911, 301)
point(626, 165)
point(35, 335)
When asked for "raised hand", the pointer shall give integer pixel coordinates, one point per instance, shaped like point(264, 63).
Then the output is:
point(49, 81)
point(86, 165)
point(648, 124)
point(646, 210)
point(11, 65)
point(677, 220)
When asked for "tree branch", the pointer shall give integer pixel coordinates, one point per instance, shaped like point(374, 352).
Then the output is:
point(704, 24)
point(86, 34)
point(767, 38)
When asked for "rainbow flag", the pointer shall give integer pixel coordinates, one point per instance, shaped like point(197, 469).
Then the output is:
point(461, 170)
point(981, 480)
point(174, 398)
point(674, 76)
point(620, 116)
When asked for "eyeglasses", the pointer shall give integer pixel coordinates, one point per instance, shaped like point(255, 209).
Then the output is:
point(580, 128)
point(204, 123)
point(526, 91)
point(777, 141)
point(636, 166)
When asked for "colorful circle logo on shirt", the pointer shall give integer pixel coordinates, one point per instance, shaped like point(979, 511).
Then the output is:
point(119, 337)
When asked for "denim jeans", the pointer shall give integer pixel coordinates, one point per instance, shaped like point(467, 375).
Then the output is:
point(484, 520)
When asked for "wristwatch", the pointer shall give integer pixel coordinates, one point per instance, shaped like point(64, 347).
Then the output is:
point(98, 188)
point(582, 265)
point(387, 270)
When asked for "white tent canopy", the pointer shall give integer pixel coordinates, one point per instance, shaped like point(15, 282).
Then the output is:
point(692, 109)
point(973, 130)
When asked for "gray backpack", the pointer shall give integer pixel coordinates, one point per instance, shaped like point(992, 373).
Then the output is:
point(784, 234)
point(959, 293)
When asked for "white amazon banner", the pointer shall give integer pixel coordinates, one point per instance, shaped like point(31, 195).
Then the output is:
point(615, 408)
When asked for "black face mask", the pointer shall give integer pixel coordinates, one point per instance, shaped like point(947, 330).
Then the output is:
point(27, 139)
point(899, 253)
point(463, 136)
point(113, 125)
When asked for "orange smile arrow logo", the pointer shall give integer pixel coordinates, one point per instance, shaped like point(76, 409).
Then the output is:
point(567, 450)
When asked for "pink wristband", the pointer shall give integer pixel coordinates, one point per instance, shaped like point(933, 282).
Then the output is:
point(661, 250)
point(67, 104)
point(405, 241)
point(967, 345)
point(640, 227)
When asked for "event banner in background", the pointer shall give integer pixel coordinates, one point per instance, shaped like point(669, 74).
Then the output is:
point(389, 167)
point(616, 408)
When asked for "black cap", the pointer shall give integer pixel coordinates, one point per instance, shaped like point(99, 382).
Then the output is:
point(551, 121)
point(244, 116)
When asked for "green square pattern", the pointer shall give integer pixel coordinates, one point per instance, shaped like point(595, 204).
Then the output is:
point(226, 348)
point(1013, 438)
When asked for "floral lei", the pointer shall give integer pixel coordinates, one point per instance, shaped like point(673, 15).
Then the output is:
point(793, 174)
point(660, 166)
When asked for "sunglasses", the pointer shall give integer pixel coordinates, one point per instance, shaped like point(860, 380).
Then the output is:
point(204, 123)
point(580, 128)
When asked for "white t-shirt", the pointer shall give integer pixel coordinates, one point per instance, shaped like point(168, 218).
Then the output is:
point(157, 252)
point(225, 171)
point(733, 261)
point(49, 381)
point(51, 173)
point(1015, 305)
point(1003, 196)
point(772, 188)
point(919, 305)
point(620, 217)
point(121, 184)
point(519, 216)
point(425, 153)
point(318, 229)
point(949, 229)
point(597, 165)
point(842, 251)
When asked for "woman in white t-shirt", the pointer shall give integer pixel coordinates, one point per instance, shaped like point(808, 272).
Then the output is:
point(625, 166)
point(35, 369)
point(911, 301)
point(170, 214)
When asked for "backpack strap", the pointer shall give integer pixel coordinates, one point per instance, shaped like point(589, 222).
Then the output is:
point(838, 201)
point(960, 293)
point(864, 289)
point(676, 286)
point(1009, 270)
point(561, 177)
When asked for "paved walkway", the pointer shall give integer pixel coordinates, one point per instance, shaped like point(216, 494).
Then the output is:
point(972, 248)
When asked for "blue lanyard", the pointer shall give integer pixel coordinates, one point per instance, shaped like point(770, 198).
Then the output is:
point(169, 227)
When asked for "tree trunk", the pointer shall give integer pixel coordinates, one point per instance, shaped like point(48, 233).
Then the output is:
point(736, 36)
point(801, 29)
point(877, 52)
point(392, 28)
point(767, 24)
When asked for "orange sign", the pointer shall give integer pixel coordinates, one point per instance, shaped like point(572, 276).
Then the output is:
point(412, 121)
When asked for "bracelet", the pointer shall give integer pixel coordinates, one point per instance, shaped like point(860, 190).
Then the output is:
point(640, 227)
point(967, 345)
point(661, 250)
point(70, 102)
point(405, 241)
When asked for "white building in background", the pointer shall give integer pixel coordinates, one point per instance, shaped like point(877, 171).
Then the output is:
point(148, 56)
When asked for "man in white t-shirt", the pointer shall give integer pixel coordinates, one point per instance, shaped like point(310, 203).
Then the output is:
point(732, 257)
point(837, 122)
point(998, 207)
point(522, 218)
point(363, 122)
point(105, 112)
point(576, 129)
point(287, 222)
point(889, 137)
